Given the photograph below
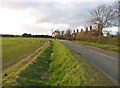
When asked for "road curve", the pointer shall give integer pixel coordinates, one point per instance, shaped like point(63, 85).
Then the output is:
point(105, 61)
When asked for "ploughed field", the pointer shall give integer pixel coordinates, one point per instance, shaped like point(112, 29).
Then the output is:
point(14, 49)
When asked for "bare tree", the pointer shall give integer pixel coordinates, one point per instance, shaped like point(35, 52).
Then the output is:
point(104, 16)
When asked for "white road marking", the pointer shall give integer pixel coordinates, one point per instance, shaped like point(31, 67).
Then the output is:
point(103, 54)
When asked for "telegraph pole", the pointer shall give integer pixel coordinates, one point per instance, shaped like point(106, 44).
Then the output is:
point(52, 31)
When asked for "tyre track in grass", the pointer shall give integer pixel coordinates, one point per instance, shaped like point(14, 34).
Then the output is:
point(37, 73)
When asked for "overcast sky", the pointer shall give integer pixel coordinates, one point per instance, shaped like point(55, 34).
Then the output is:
point(41, 16)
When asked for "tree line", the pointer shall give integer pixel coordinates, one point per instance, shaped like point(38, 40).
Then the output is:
point(27, 35)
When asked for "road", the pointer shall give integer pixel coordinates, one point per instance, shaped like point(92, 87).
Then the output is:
point(105, 61)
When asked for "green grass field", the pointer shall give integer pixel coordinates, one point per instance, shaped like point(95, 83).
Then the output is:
point(14, 49)
point(58, 66)
point(11, 72)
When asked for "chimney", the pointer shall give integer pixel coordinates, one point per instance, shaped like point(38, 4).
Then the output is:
point(81, 29)
point(90, 28)
point(86, 29)
point(73, 31)
point(77, 30)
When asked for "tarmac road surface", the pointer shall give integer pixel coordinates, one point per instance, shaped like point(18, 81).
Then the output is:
point(105, 61)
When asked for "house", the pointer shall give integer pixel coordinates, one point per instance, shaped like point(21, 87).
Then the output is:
point(88, 31)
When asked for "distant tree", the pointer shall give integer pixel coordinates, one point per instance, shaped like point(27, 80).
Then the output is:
point(56, 33)
point(118, 34)
point(41, 36)
point(62, 33)
point(68, 34)
point(26, 35)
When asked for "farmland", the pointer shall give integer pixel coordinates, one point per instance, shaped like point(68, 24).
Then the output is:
point(15, 49)
point(24, 51)
point(56, 65)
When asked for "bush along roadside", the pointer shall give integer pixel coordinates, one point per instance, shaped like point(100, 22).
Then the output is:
point(58, 66)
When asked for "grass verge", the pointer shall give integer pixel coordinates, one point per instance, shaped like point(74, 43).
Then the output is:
point(69, 69)
point(102, 46)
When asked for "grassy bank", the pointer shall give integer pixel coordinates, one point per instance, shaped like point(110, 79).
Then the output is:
point(102, 46)
point(58, 66)
point(68, 69)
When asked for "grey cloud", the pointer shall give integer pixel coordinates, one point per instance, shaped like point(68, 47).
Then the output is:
point(74, 13)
